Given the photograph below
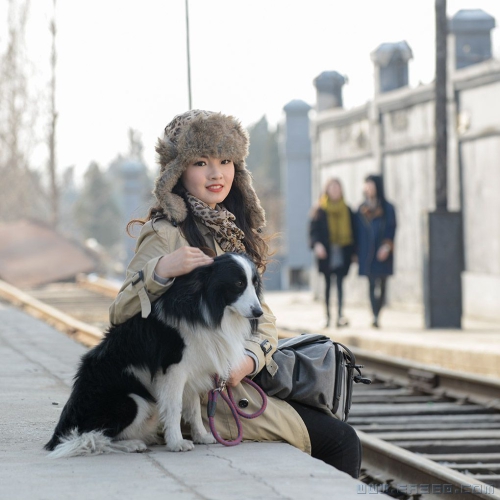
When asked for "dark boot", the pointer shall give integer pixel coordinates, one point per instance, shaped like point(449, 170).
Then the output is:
point(342, 321)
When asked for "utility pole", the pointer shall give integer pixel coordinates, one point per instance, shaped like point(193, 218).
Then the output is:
point(443, 239)
point(188, 56)
point(54, 190)
point(440, 118)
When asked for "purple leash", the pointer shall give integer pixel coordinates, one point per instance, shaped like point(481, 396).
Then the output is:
point(229, 399)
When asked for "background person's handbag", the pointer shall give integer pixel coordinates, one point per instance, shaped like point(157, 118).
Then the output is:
point(315, 371)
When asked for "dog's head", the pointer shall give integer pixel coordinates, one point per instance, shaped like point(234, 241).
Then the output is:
point(233, 282)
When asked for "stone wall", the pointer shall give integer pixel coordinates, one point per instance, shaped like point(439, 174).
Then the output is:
point(479, 145)
point(394, 135)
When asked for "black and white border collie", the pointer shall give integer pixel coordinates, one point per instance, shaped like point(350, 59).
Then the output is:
point(147, 371)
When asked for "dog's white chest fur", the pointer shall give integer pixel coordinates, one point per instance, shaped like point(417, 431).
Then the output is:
point(214, 352)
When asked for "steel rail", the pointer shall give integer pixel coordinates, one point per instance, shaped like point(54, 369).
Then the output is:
point(465, 386)
point(415, 475)
point(78, 330)
point(98, 285)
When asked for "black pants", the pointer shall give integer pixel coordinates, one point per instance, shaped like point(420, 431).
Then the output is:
point(332, 441)
point(340, 293)
point(377, 293)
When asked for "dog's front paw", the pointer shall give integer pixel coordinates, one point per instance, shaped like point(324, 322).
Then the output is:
point(206, 438)
point(181, 445)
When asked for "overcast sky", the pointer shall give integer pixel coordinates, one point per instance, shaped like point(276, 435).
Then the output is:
point(122, 63)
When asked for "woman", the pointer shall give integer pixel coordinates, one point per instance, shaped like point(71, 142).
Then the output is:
point(332, 240)
point(205, 200)
point(376, 228)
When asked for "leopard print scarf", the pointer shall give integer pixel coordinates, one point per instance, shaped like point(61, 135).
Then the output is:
point(220, 222)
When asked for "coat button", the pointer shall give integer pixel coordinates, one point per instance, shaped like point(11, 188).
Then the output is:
point(243, 403)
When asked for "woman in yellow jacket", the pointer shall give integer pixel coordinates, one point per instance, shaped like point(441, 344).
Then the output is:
point(206, 205)
point(331, 233)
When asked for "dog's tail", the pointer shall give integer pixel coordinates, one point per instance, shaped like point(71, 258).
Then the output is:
point(75, 444)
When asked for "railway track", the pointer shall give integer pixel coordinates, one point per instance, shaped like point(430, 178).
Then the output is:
point(448, 424)
point(84, 304)
point(427, 433)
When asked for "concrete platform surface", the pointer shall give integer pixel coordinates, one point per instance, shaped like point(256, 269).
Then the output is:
point(474, 349)
point(36, 369)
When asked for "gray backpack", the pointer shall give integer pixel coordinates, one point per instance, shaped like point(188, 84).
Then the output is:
point(315, 371)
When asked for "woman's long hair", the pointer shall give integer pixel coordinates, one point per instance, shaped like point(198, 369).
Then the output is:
point(379, 187)
point(256, 246)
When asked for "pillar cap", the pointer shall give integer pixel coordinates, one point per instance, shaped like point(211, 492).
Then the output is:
point(471, 20)
point(386, 53)
point(328, 80)
point(297, 106)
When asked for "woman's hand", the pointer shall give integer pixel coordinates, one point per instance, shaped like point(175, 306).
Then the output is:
point(320, 250)
point(240, 372)
point(180, 262)
point(383, 253)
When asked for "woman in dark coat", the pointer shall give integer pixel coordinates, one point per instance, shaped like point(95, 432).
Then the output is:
point(375, 231)
point(332, 239)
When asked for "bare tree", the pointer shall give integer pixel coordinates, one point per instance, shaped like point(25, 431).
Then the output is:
point(136, 146)
point(54, 190)
point(21, 193)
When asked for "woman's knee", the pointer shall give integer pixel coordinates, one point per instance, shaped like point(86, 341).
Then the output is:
point(346, 434)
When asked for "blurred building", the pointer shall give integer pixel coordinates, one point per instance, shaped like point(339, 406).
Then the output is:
point(33, 254)
point(132, 188)
point(394, 135)
point(264, 164)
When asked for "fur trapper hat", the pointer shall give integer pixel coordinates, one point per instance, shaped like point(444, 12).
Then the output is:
point(203, 133)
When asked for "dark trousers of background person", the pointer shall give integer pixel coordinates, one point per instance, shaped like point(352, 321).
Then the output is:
point(340, 294)
point(377, 295)
point(332, 441)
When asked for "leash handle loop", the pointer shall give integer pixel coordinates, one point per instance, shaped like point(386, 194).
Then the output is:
point(236, 412)
point(262, 395)
point(212, 404)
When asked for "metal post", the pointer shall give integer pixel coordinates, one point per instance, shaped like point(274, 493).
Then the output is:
point(188, 56)
point(440, 118)
point(443, 241)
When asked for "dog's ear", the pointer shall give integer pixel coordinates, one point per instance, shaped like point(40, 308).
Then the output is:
point(199, 277)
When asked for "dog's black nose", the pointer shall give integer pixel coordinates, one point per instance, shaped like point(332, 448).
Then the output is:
point(257, 312)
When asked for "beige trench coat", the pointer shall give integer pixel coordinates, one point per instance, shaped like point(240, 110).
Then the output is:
point(280, 422)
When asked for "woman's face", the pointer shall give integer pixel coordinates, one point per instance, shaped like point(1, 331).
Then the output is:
point(334, 191)
point(209, 179)
point(370, 190)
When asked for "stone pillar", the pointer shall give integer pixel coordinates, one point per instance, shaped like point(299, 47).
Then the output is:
point(471, 29)
point(329, 90)
point(391, 66)
point(296, 175)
